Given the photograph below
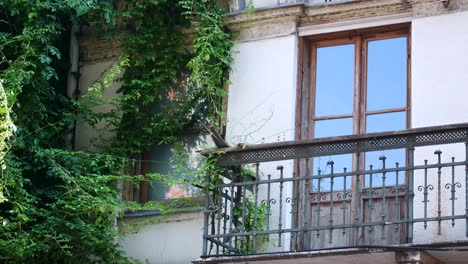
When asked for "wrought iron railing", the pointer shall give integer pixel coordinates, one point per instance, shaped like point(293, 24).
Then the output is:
point(373, 189)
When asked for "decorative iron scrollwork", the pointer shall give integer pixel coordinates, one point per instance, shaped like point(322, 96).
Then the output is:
point(428, 187)
point(453, 186)
point(344, 196)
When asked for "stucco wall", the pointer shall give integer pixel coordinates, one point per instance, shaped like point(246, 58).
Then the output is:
point(261, 105)
point(262, 94)
point(173, 239)
point(439, 92)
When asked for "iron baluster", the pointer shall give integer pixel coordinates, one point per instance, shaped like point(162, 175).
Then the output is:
point(358, 199)
point(439, 192)
point(267, 203)
point(452, 186)
point(384, 176)
point(306, 206)
point(242, 226)
point(218, 218)
point(257, 176)
point(319, 180)
point(344, 201)
point(280, 216)
point(330, 238)
point(370, 203)
point(466, 188)
point(231, 214)
point(225, 215)
point(410, 193)
point(294, 211)
point(397, 197)
point(426, 193)
point(453, 191)
point(425, 189)
point(206, 215)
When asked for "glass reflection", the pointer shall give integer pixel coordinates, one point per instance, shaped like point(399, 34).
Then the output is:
point(386, 74)
point(334, 80)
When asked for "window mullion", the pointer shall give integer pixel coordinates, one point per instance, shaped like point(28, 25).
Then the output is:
point(362, 85)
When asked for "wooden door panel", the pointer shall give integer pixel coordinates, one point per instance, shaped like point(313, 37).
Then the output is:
point(336, 237)
point(383, 234)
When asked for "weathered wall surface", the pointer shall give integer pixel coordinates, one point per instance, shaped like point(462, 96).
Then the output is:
point(172, 239)
point(439, 92)
point(261, 103)
point(262, 94)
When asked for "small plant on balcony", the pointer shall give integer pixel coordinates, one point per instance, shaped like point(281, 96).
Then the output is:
point(252, 218)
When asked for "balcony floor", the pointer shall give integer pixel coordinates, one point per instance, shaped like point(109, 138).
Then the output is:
point(453, 254)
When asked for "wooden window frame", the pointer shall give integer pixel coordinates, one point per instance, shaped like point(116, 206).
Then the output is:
point(305, 100)
point(360, 39)
point(306, 80)
point(360, 112)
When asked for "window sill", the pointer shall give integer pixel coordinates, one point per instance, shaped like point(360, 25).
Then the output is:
point(147, 213)
point(192, 205)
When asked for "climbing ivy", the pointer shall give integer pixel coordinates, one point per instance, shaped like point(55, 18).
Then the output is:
point(169, 86)
point(59, 205)
point(7, 128)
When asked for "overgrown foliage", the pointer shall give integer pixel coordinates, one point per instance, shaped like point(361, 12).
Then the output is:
point(167, 87)
point(58, 205)
point(254, 219)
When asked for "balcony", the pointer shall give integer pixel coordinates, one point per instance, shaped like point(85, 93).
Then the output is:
point(386, 192)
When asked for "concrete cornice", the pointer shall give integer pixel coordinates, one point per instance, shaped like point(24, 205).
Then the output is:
point(266, 23)
point(262, 14)
point(353, 10)
point(425, 8)
point(290, 19)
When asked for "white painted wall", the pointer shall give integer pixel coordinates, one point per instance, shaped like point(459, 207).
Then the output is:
point(261, 108)
point(439, 96)
point(172, 239)
point(262, 95)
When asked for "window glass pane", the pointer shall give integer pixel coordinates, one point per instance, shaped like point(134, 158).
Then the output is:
point(386, 74)
point(340, 162)
point(160, 156)
point(334, 80)
point(380, 123)
point(333, 127)
point(166, 160)
point(392, 157)
point(386, 122)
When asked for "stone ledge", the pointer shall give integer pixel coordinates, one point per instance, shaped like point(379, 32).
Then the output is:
point(435, 253)
point(363, 255)
point(287, 19)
